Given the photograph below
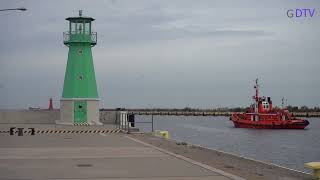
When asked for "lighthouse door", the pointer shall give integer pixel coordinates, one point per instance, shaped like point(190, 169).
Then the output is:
point(80, 111)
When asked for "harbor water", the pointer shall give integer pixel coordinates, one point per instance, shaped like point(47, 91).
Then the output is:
point(288, 148)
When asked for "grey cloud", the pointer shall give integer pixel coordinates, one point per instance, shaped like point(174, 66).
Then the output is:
point(164, 53)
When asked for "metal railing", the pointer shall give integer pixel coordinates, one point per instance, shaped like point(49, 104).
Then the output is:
point(73, 36)
point(125, 123)
point(147, 122)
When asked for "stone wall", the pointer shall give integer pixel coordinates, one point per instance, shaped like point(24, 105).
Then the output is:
point(108, 117)
point(29, 116)
point(45, 116)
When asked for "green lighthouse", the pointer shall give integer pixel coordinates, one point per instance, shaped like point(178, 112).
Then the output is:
point(80, 102)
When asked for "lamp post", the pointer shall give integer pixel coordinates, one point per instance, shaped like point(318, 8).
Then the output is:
point(14, 9)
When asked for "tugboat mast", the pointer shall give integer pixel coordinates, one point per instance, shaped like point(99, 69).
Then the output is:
point(256, 104)
point(257, 91)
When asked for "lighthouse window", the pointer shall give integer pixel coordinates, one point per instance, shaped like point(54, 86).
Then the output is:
point(73, 28)
point(80, 29)
point(80, 51)
point(87, 28)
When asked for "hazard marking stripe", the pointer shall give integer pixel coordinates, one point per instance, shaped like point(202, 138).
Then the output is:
point(81, 124)
point(68, 131)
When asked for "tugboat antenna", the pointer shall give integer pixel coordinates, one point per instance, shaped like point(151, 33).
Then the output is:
point(256, 104)
point(257, 90)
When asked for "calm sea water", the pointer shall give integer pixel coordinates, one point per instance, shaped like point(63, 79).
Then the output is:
point(289, 148)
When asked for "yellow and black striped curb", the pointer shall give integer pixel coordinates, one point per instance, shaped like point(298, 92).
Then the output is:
point(81, 124)
point(70, 131)
point(77, 131)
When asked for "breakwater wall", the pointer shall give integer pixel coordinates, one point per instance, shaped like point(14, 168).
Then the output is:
point(45, 116)
point(208, 113)
point(29, 116)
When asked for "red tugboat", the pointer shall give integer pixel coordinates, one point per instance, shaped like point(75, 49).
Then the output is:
point(261, 116)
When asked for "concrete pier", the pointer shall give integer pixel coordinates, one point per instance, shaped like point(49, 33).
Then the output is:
point(97, 156)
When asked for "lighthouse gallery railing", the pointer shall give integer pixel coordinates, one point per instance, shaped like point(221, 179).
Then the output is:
point(69, 37)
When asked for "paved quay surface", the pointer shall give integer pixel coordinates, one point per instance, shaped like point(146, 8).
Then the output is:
point(230, 163)
point(92, 156)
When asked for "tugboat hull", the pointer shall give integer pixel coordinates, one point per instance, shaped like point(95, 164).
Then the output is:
point(261, 125)
point(269, 124)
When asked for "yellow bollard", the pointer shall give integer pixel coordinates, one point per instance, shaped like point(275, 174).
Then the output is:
point(164, 134)
point(316, 169)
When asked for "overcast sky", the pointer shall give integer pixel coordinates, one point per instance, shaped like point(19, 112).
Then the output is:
point(165, 53)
